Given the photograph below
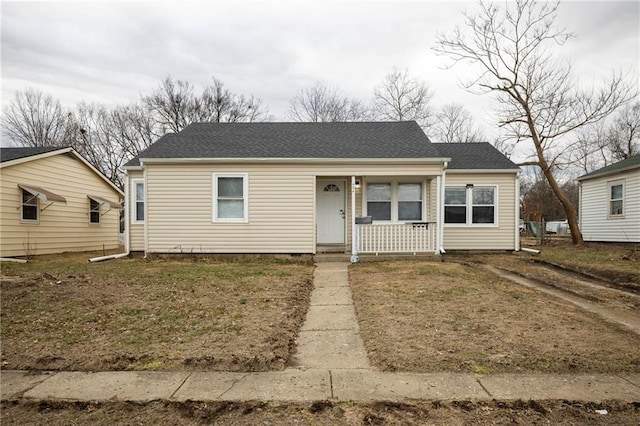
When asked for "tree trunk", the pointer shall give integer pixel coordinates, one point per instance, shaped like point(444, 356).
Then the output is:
point(569, 209)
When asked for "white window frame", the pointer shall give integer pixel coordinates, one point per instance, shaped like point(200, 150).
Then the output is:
point(134, 200)
point(610, 185)
point(469, 206)
point(22, 204)
point(245, 197)
point(394, 198)
point(91, 200)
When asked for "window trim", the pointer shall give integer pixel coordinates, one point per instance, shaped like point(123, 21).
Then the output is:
point(36, 205)
point(94, 210)
point(245, 198)
point(469, 207)
point(395, 199)
point(134, 201)
point(611, 184)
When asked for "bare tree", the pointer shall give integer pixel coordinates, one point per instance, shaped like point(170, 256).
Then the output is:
point(35, 119)
point(539, 102)
point(93, 139)
point(132, 129)
point(322, 103)
point(453, 124)
point(401, 97)
point(173, 104)
point(623, 136)
point(218, 105)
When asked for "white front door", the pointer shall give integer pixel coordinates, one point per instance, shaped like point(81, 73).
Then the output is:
point(331, 212)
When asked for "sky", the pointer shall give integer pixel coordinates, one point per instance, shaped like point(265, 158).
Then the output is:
point(111, 52)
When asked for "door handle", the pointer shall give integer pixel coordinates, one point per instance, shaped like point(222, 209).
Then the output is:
point(342, 213)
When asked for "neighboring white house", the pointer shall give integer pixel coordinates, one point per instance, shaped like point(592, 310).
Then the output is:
point(52, 201)
point(610, 202)
point(356, 188)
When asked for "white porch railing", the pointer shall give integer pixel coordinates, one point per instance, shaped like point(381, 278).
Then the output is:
point(395, 238)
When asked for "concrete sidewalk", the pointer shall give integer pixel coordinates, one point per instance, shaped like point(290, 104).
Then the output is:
point(330, 363)
point(313, 385)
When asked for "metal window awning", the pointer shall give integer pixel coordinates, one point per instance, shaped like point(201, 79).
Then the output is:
point(102, 201)
point(43, 194)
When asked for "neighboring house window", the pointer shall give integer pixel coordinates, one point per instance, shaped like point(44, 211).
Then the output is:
point(471, 205)
point(29, 207)
point(230, 197)
point(138, 201)
point(394, 201)
point(94, 211)
point(616, 198)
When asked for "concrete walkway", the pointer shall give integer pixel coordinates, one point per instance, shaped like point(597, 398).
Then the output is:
point(329, 338)
point(330, 363)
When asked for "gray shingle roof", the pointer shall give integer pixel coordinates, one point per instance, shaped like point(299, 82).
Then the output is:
point(295, 140)
point(474, 156)
point(319, 140)
point(629, 163)
point(8, 154)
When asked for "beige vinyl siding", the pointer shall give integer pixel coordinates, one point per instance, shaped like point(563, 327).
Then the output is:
point(136, 230)
point(472, 237)
point(595, 223)
point(61, 227)
point(281, 205)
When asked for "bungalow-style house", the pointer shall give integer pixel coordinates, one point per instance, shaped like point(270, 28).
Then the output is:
point(357, 188)
point(54, 201)
point(610, 202)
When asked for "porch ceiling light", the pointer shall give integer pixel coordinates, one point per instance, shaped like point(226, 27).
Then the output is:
point(357, 184)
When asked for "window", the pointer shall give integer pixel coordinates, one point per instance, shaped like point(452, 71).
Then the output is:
point(483, 209)
point(230, 197)
point(455, 205)
point(94, 211)
point(29, 207)
point(138, 201)
point(470, 205)
point(616, 198)
point(409, 201)
point(394, 201)
point(379, 201)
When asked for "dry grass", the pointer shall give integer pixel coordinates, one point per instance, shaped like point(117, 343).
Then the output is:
point(432, 317)
point(60, 312)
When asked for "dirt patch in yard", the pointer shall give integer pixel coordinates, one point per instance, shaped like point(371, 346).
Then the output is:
point(195, 313)
point(433, 317)
point(618, 263)
point(322, 413)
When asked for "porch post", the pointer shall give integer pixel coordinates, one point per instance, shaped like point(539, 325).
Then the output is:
point(354, 247)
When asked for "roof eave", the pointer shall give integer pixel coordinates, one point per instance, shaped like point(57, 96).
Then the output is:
point(470, 171)
point(609, 172)
point(35, 157)
point(425, 160)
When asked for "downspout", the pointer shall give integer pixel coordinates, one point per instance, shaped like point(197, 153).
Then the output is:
point(441, 209)
point(517, 209)
point(145, 226)
point(126, 228)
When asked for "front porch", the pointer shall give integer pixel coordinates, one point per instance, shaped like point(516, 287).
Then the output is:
point(378, 215)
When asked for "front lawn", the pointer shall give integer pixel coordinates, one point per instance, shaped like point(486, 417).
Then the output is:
point(60, 312)
point(435, 317)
